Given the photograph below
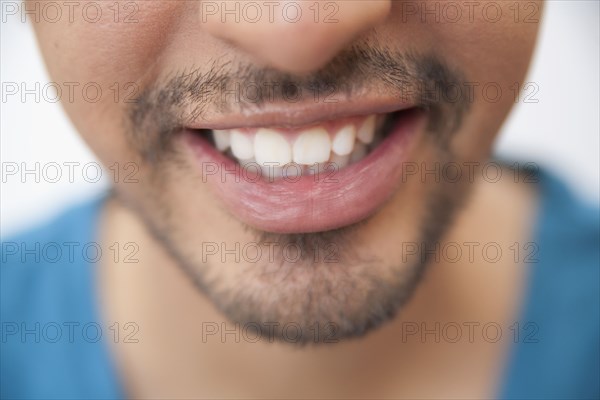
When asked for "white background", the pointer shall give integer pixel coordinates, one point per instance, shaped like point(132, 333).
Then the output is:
point(561, 132)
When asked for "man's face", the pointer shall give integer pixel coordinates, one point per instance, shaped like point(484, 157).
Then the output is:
point(295, 163)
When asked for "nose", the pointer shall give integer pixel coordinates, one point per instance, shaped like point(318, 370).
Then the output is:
point(293, 36)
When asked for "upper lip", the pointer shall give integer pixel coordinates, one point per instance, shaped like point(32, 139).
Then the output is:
point(290, 115)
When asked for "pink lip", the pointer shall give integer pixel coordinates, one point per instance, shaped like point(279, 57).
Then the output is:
point(329, 200)
point(293, 115)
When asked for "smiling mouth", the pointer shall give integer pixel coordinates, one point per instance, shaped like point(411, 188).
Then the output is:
point(287, 153)
point(316, 177)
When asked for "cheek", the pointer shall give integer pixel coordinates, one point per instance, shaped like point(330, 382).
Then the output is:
point(101, 66)
point(490, 41)
point(495, 57)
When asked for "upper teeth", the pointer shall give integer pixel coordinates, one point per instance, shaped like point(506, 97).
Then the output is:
point(312, 146)
point(269, 147)
point(343, 142)
point(241, 145)
point(221, 139)
point(367, 130)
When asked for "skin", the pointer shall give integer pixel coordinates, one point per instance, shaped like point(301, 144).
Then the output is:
point(169, 309)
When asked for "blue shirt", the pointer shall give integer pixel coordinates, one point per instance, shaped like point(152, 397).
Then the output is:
point(53, 345)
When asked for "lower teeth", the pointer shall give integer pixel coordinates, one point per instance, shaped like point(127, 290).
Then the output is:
point(292, 171)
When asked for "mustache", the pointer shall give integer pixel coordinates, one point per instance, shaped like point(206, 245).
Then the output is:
point(224, 86)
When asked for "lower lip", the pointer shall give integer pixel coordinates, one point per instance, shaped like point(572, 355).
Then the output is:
point(310, 203)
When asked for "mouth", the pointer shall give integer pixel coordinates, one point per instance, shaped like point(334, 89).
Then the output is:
point(286, 153)
point(299, 179)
